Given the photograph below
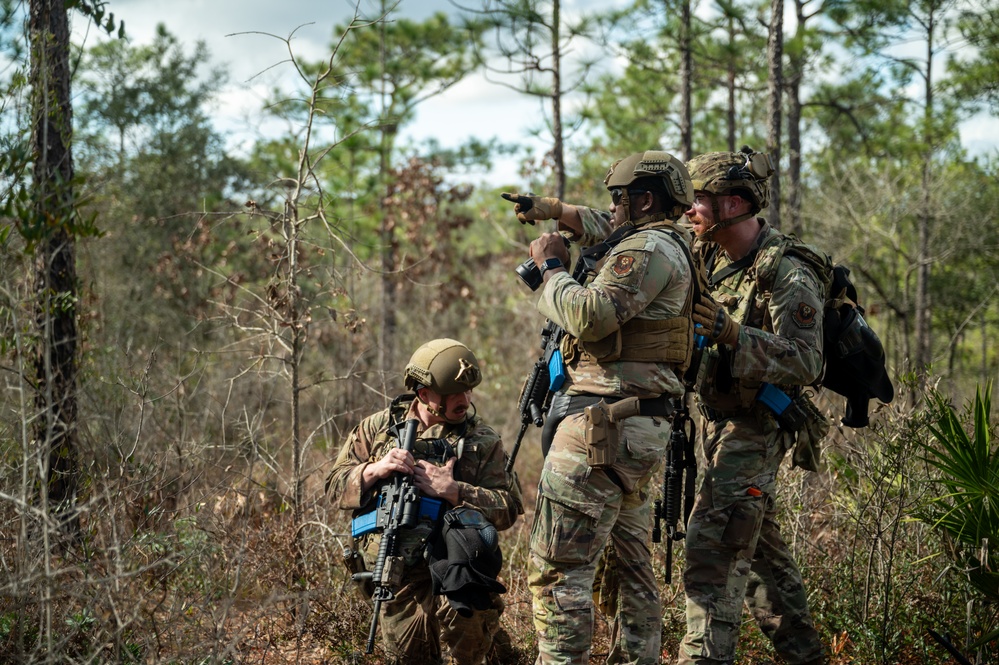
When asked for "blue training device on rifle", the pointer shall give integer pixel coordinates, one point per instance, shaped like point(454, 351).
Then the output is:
point(430, 509)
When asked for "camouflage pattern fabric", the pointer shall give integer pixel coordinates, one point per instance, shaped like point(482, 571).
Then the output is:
point(645, 277)
point(412, 621)
point(416, 624)
point(581, 509)
point(734, 549)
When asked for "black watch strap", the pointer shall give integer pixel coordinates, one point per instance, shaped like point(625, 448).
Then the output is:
point(551, 264)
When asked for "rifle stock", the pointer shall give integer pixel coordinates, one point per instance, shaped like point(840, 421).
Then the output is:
point(398, 508)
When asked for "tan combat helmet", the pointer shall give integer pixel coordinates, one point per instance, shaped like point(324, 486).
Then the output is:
point(654, 164)
point(719, 173)
point(446, 366)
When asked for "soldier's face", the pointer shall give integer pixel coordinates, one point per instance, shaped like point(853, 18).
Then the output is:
point(451, 408)
point(617, 209)
point(700, 215)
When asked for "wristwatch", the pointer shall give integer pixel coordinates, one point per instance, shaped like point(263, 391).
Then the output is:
point(550, 264)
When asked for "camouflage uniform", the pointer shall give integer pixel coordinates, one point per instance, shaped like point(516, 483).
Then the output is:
point(580, 509)
point(416, 623)
point(734, 549)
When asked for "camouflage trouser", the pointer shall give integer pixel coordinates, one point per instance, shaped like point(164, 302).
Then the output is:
point(579, 511)
point(416, 624)
point(735, 552)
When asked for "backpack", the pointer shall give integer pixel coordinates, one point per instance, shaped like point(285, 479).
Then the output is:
point(853, 356)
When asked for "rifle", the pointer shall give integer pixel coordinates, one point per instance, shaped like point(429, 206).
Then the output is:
point(680, 473)
point(679, 477)
point(398, 508)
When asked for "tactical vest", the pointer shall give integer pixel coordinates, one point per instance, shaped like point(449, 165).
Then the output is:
point(643, 340)
point(449, 443)
point(751, 295)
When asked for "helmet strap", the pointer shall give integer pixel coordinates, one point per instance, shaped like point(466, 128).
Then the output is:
point(719, 222)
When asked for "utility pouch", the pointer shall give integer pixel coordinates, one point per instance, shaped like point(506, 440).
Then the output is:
point(354, 563)
point(808, 442)
point(393, 571)
point(601, 436)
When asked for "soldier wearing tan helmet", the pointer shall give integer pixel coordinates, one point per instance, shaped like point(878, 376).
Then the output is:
point(456, 458)
point(764, 339)
point(629, 334)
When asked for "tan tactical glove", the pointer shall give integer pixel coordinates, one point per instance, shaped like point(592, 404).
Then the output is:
point(529, 209)
point(717, 324)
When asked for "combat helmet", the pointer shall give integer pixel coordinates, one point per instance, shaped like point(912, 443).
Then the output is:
point(446, 366)
point(654, 164)
point(719, 173)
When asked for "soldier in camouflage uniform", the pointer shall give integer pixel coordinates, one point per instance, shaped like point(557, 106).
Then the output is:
point(457, 458)
point(734, 549)
point(628, 335)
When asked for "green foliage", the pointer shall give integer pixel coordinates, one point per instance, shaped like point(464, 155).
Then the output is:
point(95, 10)
point(966, 507)
point(973, 78)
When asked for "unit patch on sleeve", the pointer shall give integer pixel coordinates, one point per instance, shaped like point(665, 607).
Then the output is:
point(624, 265)
point(804, 316)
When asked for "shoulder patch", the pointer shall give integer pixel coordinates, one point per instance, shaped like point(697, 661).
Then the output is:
point(623, 265)
point(804, 315)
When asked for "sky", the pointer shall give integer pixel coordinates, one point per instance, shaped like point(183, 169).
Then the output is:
point(234, 31)
point(245, 37)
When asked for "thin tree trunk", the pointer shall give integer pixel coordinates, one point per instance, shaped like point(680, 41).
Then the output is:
point(686, 73)
point(775, 51)
point(386, 346)
point(730, 84)
point(558, 147)
point(924, 220)
point(55, 430)
point(797, 63)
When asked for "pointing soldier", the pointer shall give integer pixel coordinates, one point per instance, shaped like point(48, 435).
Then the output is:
point(629, 334)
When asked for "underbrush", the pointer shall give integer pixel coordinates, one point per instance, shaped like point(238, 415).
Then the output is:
point(179, 569)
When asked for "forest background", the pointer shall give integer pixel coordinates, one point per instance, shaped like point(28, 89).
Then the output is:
point(190, 327)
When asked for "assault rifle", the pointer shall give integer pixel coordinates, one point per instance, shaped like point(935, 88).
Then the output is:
point(681, 458)
point(679, 478)
point(398, 508)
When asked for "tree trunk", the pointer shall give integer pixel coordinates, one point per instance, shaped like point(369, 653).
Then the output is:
point(730, 83)
point(558, 155)
point(386, 341)
point(797, 65)
point(56, 282)
point(686, 73)
point(775, 51)
point(923, 346)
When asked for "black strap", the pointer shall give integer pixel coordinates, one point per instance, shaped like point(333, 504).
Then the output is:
point(715, 279)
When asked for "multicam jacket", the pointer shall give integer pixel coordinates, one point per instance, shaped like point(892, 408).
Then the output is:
point(629, 331)
point(483, 483)
point(780, 341)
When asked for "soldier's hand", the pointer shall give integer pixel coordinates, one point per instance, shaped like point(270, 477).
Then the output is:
point(437, 481)
point(529, 209)
point(396, 460)
point(716, 324)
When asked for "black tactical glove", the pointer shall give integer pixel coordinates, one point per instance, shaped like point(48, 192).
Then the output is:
point(529, 209)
